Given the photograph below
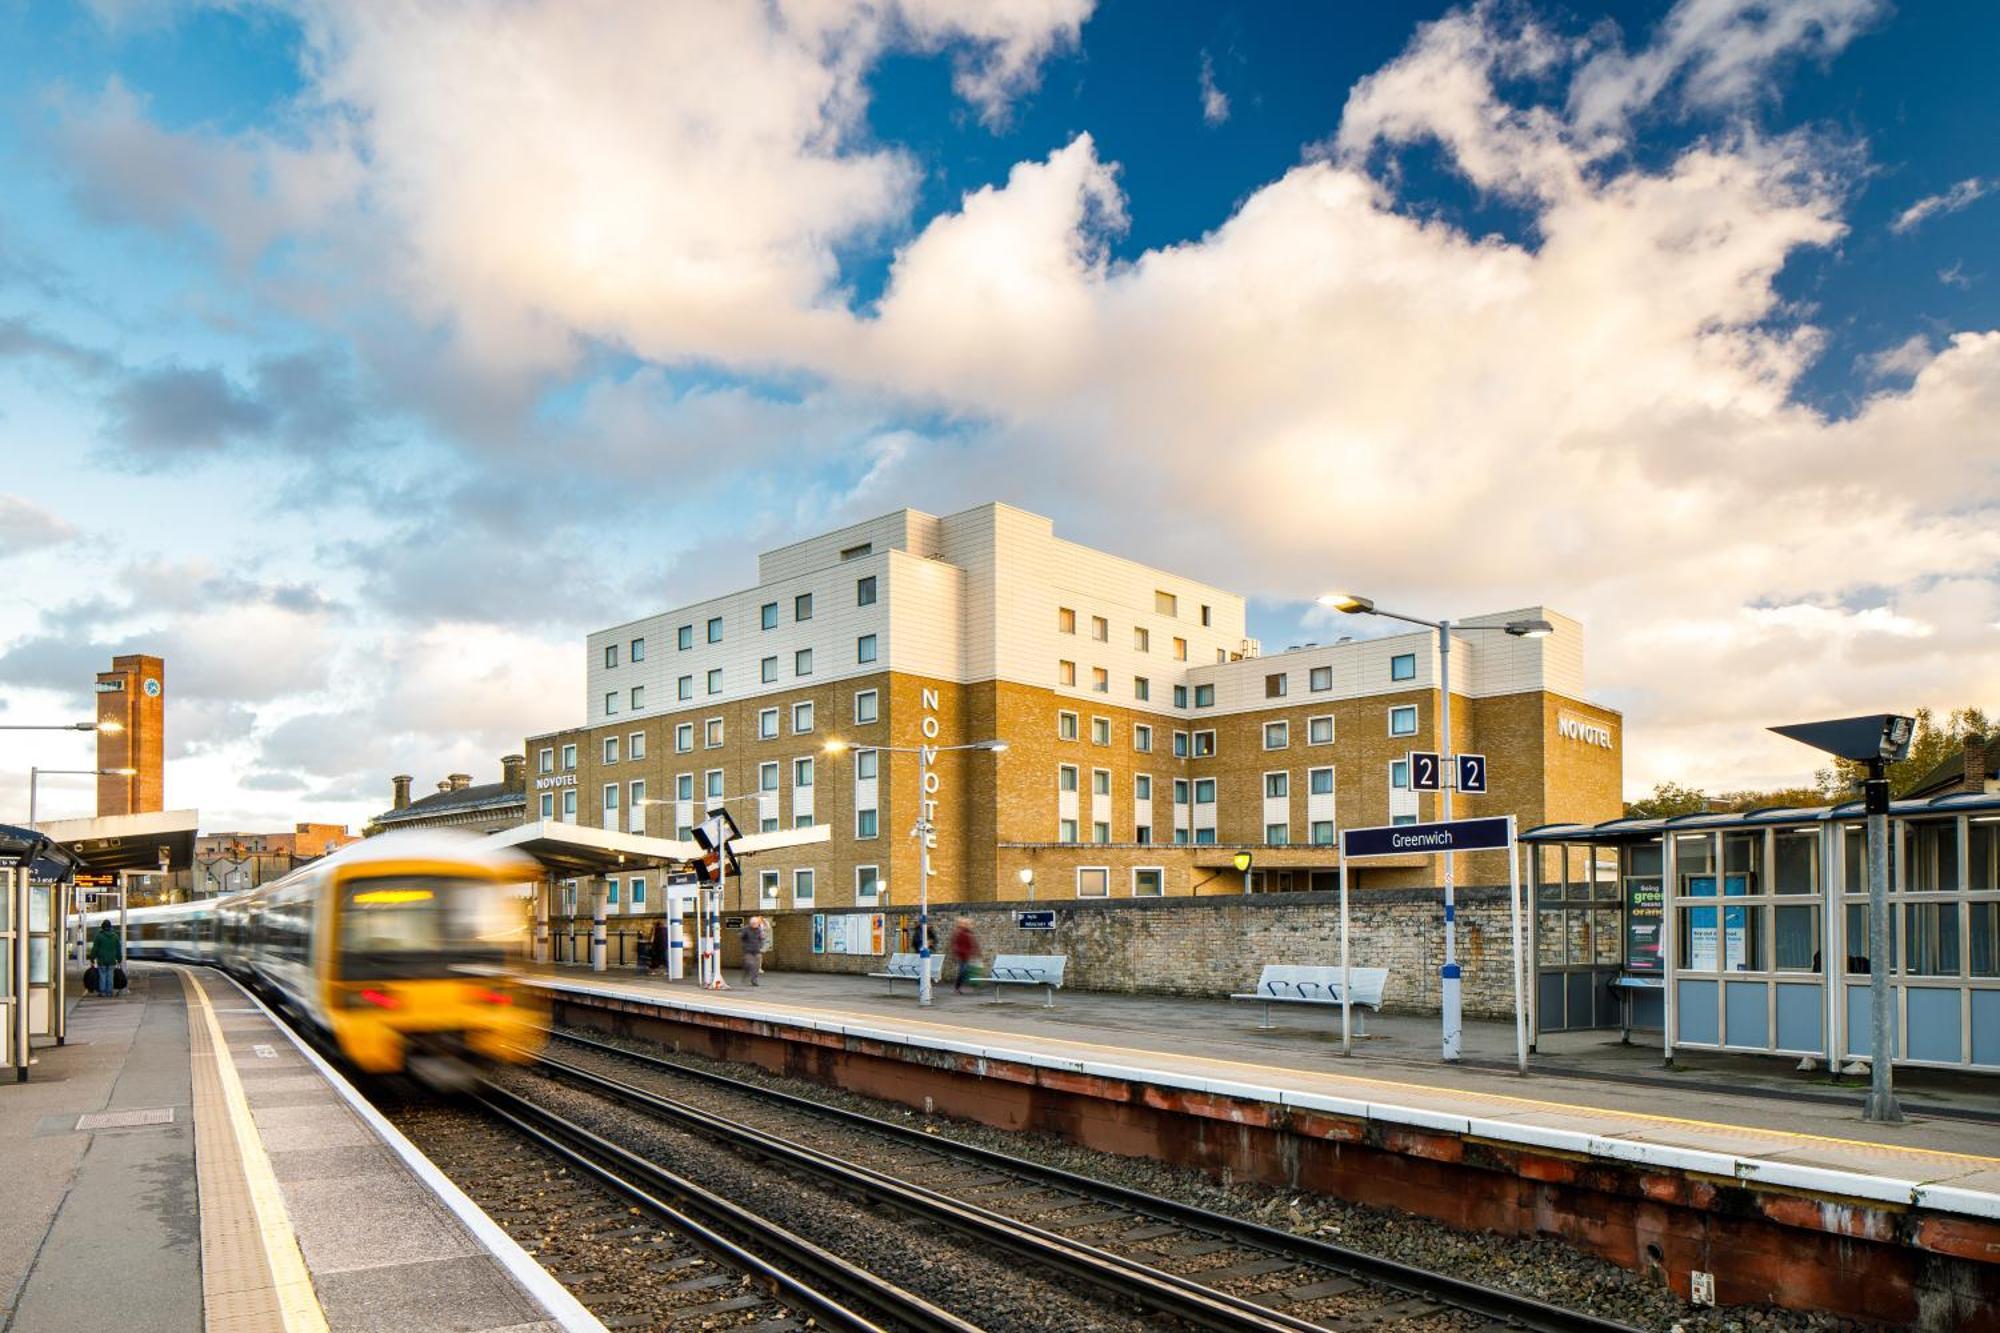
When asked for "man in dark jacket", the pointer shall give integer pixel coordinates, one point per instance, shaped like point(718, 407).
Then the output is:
point(104, 952)
point(657, 957)
point(753, 943)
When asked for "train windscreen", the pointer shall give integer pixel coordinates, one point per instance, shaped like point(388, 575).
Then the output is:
point(396, 927)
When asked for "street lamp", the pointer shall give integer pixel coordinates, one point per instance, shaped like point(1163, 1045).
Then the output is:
point(1028, 881)
point(925, 833)
point(1449, 974)
point(1243, 860)
point(108, 726)
point(35, 776)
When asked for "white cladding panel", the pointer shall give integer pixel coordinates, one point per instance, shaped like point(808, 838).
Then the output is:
point(905, 530)
point(926, 600)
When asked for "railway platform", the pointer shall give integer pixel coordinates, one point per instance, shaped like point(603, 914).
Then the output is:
point(1771, 1195)
point(182, 1163)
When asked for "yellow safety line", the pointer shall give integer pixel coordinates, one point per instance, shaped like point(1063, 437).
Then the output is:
point(1127, 1054)
point(297, 1302)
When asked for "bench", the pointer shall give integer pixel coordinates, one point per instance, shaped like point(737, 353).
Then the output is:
point(1029, 969)
point(906, 967)
point(1285, 984)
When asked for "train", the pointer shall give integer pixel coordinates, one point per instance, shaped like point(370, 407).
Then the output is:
point(400, 950)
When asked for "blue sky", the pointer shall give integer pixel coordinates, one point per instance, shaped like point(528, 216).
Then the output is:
point(326, 360)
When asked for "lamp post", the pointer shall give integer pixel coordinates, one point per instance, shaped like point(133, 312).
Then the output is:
point(1449, 974)
point(35, 777)
point(1243, 861)
point(925, 832)
point(1028, 881)
point(106, 727)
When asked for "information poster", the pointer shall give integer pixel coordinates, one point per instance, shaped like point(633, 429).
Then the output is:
point(819, 932)
point(1707, 945)
point(855, 933)
point(1644, 904)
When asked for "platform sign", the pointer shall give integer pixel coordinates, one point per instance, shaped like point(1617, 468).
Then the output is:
point(1454, 835)
point(1471, 774)
point(1425, 774)
point(1038, 919)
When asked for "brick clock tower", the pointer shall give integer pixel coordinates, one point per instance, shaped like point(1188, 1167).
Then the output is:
point(133, 695)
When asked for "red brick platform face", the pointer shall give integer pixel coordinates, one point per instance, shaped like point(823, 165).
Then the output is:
point(1855, 1258)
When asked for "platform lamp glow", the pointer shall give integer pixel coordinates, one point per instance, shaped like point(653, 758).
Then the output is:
point(1028, 881)
point(925, 831)
point(1449, 975)
point(1877, 740)
point(108, 727)
point(1242, 861)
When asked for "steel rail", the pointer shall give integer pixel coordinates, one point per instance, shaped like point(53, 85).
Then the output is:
point(1510, 1308)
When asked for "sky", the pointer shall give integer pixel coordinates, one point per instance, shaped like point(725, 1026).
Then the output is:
point(359, 357)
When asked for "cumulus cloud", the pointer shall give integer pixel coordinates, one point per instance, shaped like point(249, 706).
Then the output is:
point(27, 527)
point(1961, 195)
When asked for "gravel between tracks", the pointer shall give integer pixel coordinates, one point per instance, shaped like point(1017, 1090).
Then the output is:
point(1543, 1268)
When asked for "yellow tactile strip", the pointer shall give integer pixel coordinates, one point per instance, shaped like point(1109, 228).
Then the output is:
point(253, 1279)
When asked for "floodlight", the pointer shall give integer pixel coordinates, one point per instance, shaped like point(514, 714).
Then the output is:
point(1529, 629)
point(1348, 602)
point(1873, 738)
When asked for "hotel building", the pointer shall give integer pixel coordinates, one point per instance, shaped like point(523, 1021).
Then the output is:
point(1149, 738)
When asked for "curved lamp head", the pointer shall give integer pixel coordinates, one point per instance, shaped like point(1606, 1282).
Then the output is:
point(1242, 860)
point(1529, 629)
point(1027, 874)
point(835, 746)
point(1349, 602)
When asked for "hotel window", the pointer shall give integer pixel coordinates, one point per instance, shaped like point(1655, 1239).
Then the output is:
point(715, 680)
point(1180, 696)
point(1142, 689)
point(1277, 835)
point(547, 760)
point(1065, 620)
point(1065, 673)
point(1180, 745)
point(865, 706)
point(569, 757)
point(611, 805)
point(1100, 781)
point(767, 775)
point(1142, 738)
point(802, 662)
point(635, 794)
point(802, 888)
point(684, 786)
point(802, 607)
point(1180, 650)
point(569, 806)
point(767, 616)
point(1277, 735)
point(1066, 830)
point(856, 552)
point(638, 697)
point(1319, 781)
point(1100, 731)
point(610, 749)
point(1276, 684)
point(1165, 603)
point(715, 629)
point(548, 805)
point(767, 888)
point(1100, 680)
point(1399, 774)
point(1277, 785)
point(610, 655)
point(684, 637)
point(864, 648)
point(1319, 730)
point(638, 891)
point(864, 591)
point(1204, 791)
point(1403, 721)
point(635, 745)
point(1180, 791)
point(1142, 639)
point(767, 724)
point(1100, 832)
point(1066, 725)
point(1322, 833)
point(1100, 629)
point(867, 763)
point(711, 733)
point(767, 670)
point(1221, 656)
point(802, 772)
point(1207, 617)
point(611, 703)
point(684, 688)
point(1204, 696)
point(712, 784)
point(1142, 787)
point(1149, 882)
point(865, 822)
point(802, 718)
point(1066, 777)
point(1093, 881)
point(684, 738)
point(1204, 744)
point(1320, 679)
point(638, 652)
point(1403, 666)
point(867, 883)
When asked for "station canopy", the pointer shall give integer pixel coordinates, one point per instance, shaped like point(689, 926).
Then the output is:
point(1647, 829)
point(111, 843)
point(573, 851)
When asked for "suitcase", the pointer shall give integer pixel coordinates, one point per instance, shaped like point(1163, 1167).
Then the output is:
point(118, 981)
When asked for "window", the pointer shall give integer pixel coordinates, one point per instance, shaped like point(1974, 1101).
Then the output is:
point(569, 806)
point(611, 703)
point(865, 823)
point(1093, 881)
point(715, 680)
point(636, 794)
point(864, 648)
point(802, 772)
point(610, 804)
point(610, 655)
point(767, 775)
point(1180, 745)
point(1165, 603)
point(684, 637)
point(1065, 620)
point(802, 662)
point(1142, 639)
point(1221, 656)
point(856, 552)
point(683, 738)
point(1066, 725)
point(1180, 650)
point(546, 760)
point(802, 888)
point(1277, 786)
point(767, 888)
point(1100, 832)
point(1100, 629)
point(1207, 616)
point(1066, 777)
point(711, 733)
point(1100, 731)
point(1204, 696)
point(684, 688)
point(1204, 744)
point(1180, 791)
point(1322, 833)
point(1403, 666)
point(1142, 689)
point(1399, 774)
point(767, 616)
point(1204, 791)
point(1065, 673)
point(569, 757)
point(684, 786)
point(1100, 680)
point(865, 706)
point(1142, 787)
point(864, 591)
point(867, 883)
point(1320, 679)
point(1066, 830)
point(802, 607)
point(1100, 781)
point(1319, 781)
point(715, 629)
point(712, 784)
point(1403, 720)
point(1276, 685)
point(767, 670)
point(1149, 882)
point(548, 805)
point(638, 697)
point(1277, 735)
point(1319, 730)
point(802, 718)
point(635, 745)
point(610, 749)
point(611, 892)
point(638, 891)
point(638, 651)
point(1142, 738)
point(867, 763)
point(1277, 834)
point(767, 724)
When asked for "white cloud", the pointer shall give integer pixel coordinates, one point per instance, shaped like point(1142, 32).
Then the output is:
point(26, 527)
point(1214, 102)
point(1961, 195)
point(1905, 358)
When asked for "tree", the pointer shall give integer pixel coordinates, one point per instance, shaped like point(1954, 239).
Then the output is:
point(1668, 799)
point(1930, 746)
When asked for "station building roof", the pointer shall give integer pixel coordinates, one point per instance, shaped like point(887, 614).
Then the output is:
point(1646, 829)
point(573, 849)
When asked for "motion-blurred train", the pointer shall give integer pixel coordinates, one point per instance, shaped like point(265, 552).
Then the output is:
point(400, 949)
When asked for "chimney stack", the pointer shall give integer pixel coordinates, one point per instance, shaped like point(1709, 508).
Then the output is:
point(1976, 750)
point(514, 772)
point(402, 786)
point(459, 781)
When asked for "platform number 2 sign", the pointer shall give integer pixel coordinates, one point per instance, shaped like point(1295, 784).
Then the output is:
point(1471, 773)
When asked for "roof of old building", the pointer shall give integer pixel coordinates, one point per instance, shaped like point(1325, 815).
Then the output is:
point(1950, 770)
point(485, 796)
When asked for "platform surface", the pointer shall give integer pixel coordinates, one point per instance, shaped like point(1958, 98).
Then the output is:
point(1767, 1133)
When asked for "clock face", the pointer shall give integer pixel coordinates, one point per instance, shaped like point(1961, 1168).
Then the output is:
point(152, 687)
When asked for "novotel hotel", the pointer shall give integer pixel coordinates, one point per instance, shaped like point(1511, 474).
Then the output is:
point(1149, 739)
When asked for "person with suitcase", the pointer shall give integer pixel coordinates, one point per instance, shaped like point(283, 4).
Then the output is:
point(104, 953)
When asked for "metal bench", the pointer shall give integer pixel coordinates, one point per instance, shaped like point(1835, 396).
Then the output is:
point(1029, 969)
point(907, 967)
point(1285, 984)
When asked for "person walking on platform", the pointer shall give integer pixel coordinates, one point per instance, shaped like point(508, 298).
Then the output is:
point(753, 950)
point(656, 956)
point(104, 953)
point(964, 952)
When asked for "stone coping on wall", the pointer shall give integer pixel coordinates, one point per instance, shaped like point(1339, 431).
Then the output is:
point(1476, 894)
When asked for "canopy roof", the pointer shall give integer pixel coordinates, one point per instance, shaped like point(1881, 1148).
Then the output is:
point(127, 842)
point(1646, 830)
point(572, 849)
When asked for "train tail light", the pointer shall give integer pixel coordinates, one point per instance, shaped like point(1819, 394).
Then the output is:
point(492, 997)
point(381, 999)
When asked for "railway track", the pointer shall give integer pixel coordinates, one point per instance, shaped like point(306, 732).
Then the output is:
point(1196, 1267)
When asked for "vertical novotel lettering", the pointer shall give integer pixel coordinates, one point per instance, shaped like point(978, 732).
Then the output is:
point(928, 700)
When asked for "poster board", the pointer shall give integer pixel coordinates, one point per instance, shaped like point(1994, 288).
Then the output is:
point(1645, 902)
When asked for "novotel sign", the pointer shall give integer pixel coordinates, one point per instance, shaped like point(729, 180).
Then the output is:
point(559, 780)
point(1588, 733)
point(1455, 835)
